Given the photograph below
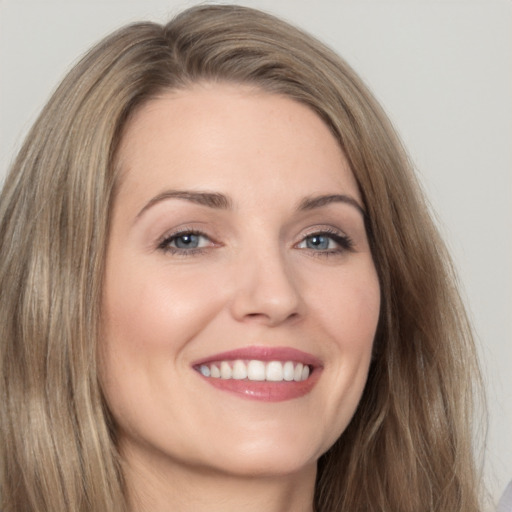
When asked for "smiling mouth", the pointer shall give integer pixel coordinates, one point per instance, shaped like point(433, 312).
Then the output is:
point(256, 370)
point(270, 374)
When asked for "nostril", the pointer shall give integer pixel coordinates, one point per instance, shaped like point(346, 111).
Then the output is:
point(266, 295)
point(271, 319)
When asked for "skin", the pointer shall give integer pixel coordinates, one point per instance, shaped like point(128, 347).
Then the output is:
point(256, 281)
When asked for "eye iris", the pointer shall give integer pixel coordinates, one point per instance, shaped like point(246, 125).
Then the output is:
point(317, 242)
point(188, 241)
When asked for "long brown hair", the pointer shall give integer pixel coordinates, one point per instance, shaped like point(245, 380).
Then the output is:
point(409, 445)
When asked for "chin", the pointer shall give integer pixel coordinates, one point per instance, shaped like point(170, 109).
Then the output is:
point(267, 454)
point(268, 463)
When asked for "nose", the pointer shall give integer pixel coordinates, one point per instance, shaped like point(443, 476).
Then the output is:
point(266, 290)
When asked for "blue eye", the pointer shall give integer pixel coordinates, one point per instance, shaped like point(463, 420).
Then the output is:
point(185, 242)
point(319, 242)
point(326, 243)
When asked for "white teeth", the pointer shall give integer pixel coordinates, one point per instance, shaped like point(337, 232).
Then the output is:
point(272, 371)
point(256, 370)
point(288, 371)
point(297, 374)
point(225, 370)
point(239, 370)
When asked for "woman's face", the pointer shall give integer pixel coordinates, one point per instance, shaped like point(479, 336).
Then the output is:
point(237, 247)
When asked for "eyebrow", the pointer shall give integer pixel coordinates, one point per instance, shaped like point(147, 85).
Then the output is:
point(209, 199)
point(222, 202)
point(312, 202)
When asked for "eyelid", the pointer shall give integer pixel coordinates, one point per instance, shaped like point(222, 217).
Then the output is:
point(164, 241)
point(323, 230)
point(344, 241)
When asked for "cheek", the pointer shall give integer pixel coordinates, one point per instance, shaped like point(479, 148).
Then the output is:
point(349, 306)
point(355, 328)
point(148, 319)
point(153, 309)
point(348, 314)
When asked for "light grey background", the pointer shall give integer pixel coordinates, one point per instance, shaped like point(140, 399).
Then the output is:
point(441, 68)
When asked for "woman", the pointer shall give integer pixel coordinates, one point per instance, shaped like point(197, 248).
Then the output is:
point(221, 288)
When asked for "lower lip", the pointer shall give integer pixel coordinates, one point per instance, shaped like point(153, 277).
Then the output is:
point(265, 391)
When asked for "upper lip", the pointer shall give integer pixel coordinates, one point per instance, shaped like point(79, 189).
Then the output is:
point(263, 353)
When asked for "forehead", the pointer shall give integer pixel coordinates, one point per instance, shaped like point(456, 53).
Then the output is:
point(224, 136)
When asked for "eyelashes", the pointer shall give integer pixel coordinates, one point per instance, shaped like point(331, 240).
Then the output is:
point(326, 242)
point(321, 243)
point(186, 242)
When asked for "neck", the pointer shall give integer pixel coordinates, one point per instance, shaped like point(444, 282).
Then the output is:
point(187, 489)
